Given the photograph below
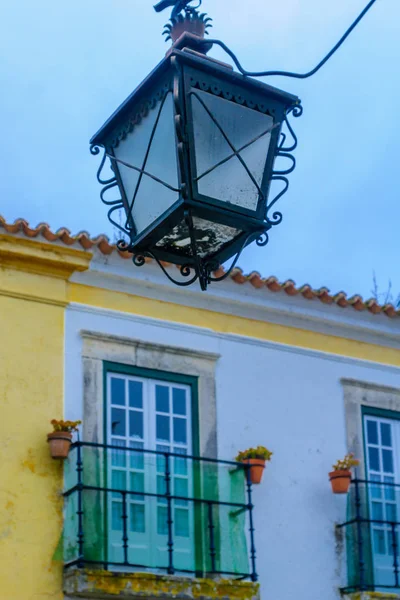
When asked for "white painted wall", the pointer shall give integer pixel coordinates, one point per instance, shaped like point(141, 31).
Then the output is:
point(288, 399)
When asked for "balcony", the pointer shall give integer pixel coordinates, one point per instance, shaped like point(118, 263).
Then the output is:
point(372, 536)
point(157, 522)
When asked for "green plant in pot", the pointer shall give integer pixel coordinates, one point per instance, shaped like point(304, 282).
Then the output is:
point(340, 477)
point(256, 458)
point(60, 439)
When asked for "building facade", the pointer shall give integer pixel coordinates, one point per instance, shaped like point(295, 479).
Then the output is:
point(170, 384)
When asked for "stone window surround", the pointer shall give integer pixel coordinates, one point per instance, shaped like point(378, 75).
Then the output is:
point(99, 347)
point(356, 395)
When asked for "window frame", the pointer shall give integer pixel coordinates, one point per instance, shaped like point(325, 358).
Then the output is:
point(380, 413)
point(170, 377)
point(366, 398)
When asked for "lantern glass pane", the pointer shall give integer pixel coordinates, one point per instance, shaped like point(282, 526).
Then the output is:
point(236, 136)
point(150, 146)
point(210, 238)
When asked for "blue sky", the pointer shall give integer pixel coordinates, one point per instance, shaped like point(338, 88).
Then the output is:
point(65, 66)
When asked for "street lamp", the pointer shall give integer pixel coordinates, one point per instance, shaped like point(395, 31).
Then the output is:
point(193, 152)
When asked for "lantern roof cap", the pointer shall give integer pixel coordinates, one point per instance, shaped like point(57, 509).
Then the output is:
point(188, 56)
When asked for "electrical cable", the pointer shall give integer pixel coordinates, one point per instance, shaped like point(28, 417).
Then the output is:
point(288, 73)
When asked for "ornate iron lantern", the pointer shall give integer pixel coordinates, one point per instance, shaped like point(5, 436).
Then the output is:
point(193, 153)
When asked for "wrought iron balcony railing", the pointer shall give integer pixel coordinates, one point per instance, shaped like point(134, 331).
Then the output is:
point(372, 534)
point(129, 508)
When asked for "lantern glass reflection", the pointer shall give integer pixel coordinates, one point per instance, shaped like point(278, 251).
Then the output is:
point(231, 146)
point(150, 146)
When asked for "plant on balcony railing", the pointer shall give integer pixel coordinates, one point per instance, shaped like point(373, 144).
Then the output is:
point(60, 439)
point(341, 475)
point(256, 459)
point(372, 535)
point(158, 510)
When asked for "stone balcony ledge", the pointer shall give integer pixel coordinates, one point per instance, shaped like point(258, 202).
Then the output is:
point(108, 585)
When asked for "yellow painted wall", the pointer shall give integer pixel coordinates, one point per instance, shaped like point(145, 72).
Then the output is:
point(31, 392)
point(32, 306)
point(227, 323)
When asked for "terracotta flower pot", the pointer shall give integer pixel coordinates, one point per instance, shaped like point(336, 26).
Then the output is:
point(340, 481)
point(60, 442)
point(256, 469)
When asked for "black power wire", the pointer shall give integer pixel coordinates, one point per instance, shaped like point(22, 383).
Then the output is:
point(288, 73)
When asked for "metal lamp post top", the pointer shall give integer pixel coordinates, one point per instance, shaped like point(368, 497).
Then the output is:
point(207, 114)
point(200, 62)
point(221, 132)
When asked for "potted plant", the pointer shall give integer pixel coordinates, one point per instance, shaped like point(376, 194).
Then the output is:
point(60, 439)
point(256, 458)
point(340, 477)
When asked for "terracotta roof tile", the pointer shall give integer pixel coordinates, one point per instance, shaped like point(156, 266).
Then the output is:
point(237, 276)
point(219, 273)
point(324, 295)
point(390, 310)
point(102, 243)
point(289, 287)
point(341, 299)
point(373, 306)
point(255, 279)
point(273, 284)
point(357, 302)
point(307, 292)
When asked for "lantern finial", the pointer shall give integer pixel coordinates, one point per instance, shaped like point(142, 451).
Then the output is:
point(184, 19)
point(178, 6)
